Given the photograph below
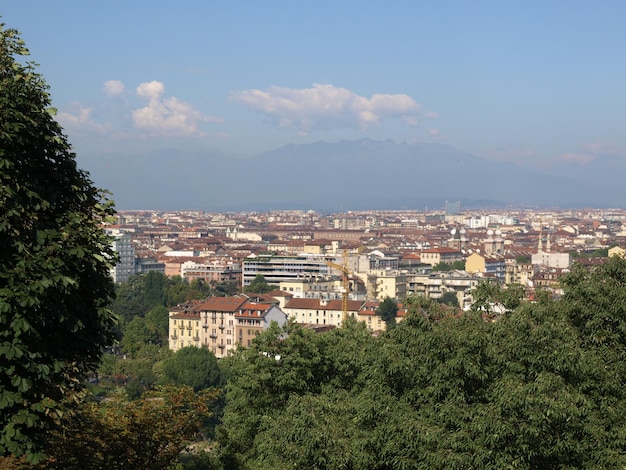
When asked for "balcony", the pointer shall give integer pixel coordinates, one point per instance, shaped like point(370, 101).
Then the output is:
point(174, 336)
point(221, 346)
point(196, 338)
point(188, 327)
point(221, 327)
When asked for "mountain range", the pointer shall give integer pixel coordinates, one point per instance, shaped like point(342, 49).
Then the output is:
point(349, 175)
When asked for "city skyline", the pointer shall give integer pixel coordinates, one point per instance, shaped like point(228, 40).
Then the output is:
point(535, 84)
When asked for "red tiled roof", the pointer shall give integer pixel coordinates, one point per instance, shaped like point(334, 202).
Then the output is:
point(441, 250)
point(221, 304)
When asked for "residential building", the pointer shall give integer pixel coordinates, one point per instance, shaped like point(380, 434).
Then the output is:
point(386, 283)
point(319, 311)
point(434, 256)
point(368, 314)
point(184, 328)
point(210, 271)
point(218, 322)
point(252, 318)
point(488, 266)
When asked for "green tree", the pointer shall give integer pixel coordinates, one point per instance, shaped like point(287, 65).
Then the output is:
point(388, 309)
point(460, 265)
point(192, 366)
point(54, 261)
point(153, 288)
point(157, 322)
point(449, 298)
point(259, 285)
point(135, 335)
point(148, 433)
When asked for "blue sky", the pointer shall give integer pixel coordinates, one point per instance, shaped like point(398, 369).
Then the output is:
point(535, 82)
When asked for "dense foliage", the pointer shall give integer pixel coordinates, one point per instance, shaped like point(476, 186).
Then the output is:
point(144, 434)
point(54, 261)
point(259, 285)
point(388, 309)
point(541, 387)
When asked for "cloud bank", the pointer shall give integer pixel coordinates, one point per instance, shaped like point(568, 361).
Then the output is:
point(113, 88)
point(167, 115)
point(328, 106)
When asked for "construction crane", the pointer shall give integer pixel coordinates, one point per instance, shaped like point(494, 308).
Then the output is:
point(345, 272)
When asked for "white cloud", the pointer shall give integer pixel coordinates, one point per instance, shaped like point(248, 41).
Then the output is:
point(328, 106)
point(113, 88)
point(167, 115)
point(80, 118)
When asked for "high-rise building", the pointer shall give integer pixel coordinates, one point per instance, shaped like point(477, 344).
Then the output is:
point(125, 267)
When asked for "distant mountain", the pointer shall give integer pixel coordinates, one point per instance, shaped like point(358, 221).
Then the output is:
point(347, 175)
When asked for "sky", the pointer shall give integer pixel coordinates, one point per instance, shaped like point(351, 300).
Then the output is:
point(533, 82)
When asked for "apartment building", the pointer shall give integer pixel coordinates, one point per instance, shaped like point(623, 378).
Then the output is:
point(484, 265)
point(319, 311)
point(252, 318)
point(386, 283)
point(218, 322)
point(210, 271)
point(184, 329)
point(434, 256)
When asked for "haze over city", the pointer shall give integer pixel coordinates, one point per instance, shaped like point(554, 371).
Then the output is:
point(534, 85)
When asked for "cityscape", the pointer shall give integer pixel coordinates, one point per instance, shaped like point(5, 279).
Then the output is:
point(323, 267)
point(312, 235)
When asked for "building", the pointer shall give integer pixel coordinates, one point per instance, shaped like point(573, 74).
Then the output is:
point(252, 318)
point(217, 318)
point(386, 283)
point(276, 269)
point(220, 324)
point(184, 327)
point(552, 260)
point(319, 311)
point(146, 265)
point(434, 256)
point(488, 266)
point(210, 271)
point(368, 314)
point(122, 244)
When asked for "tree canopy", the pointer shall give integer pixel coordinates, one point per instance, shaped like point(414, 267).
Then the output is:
point(192, 366)
point(54, 260)
point(259, 285)
point(541, 387)
point(388, 309)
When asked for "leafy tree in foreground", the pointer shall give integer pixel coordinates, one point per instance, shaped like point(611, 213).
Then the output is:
point(54, 261)
point(149, 433)
point(541, 387)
